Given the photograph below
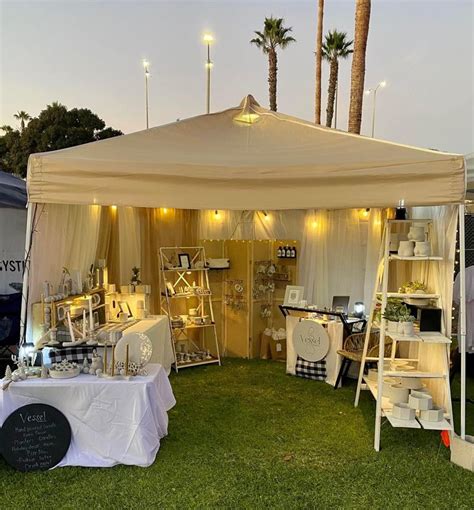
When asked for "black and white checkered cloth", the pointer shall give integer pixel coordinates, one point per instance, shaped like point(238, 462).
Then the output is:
point(76, 354)
point(311, 369)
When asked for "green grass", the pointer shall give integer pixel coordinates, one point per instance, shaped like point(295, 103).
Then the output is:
point(248, 436)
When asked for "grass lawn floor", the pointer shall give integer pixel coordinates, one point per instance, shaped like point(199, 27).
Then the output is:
point(246, 435)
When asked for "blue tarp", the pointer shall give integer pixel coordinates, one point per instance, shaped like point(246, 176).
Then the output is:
point(12, 191)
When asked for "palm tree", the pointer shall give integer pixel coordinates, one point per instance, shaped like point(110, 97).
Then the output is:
point(274, 36)
point(319, 55)
point(23, 117)
point(335, 46)
point(361, 32)
point(6, 128)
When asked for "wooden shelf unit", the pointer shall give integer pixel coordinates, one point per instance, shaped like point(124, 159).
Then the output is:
point(201, 337)
point(241, 328)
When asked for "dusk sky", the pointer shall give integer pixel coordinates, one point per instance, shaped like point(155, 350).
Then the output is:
point(89, 53)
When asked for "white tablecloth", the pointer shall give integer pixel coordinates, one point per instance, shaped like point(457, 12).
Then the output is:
point(333, 360)
point(112, 421)
point(158, 331)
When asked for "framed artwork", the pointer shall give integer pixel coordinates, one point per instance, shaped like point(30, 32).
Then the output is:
point(124, 307)
point(293, 295)
point(184, 261)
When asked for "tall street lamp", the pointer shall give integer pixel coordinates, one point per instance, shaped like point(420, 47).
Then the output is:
point(146, 66)
point(381, 84)
point(208, 39)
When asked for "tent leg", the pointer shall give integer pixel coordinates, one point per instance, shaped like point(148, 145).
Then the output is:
point(462, 316)
point(26, 270)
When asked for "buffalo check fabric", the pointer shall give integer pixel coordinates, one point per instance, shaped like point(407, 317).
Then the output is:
point(71, 354)
point(311, 369)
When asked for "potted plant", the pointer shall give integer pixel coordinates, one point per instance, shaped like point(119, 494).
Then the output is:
point(406, 323)
point(392, 315)
point(415, 287)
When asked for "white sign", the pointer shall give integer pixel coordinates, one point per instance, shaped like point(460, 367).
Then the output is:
point(310, 340)
point(12, 249)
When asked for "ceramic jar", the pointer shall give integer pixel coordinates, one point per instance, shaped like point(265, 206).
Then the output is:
point(403, 412)
point(407, 328)
point(393, 247)
point(392, 327)
point(416, 233)
point(406, 248)
point(398, 394)
point(422, 249)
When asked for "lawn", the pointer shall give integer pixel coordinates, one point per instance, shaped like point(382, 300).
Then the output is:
point(246, 435)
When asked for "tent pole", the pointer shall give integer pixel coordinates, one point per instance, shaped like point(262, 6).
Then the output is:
point(462, 316)
point(26, 270)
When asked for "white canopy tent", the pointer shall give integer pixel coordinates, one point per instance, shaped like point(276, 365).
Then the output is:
point(245, 158)
point(248, 158)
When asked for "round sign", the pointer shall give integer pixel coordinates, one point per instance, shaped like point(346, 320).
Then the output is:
point(310, 340)
point(35, 437)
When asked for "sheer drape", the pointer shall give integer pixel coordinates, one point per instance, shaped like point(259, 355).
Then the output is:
point(339, 255)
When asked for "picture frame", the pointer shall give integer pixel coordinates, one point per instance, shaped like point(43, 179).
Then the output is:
point(124, 307)
point(184, 261)
point(293, 295)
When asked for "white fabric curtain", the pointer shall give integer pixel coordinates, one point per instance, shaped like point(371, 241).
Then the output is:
point(251, 224)
point(339, 255)
point(129, 242)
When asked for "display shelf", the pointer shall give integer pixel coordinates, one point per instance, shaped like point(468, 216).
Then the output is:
point(181, 296)
point(193, 326)
point(414, 373)
point(186, 364)
point(414, 259)
point(407, 222)
point(427, 337)
point(184, 270)
point(435, 425)
point(401, 295)
point(425, 349)
point(176, 281)
point(403, 424)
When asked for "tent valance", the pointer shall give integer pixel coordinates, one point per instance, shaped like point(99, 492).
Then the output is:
point(245, 158)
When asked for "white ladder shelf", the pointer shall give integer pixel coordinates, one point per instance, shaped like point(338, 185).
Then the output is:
point(381, 294)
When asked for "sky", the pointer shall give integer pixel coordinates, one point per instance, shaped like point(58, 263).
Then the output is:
point(89, 54)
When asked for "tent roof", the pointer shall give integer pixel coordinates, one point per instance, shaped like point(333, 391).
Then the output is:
point(222, 161)
point(12, 191)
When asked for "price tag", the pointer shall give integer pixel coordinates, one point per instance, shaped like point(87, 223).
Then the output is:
point(278, 346)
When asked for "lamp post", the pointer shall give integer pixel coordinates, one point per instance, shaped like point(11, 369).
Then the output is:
point(208, 39)
point(146, 66)
point(381, 84)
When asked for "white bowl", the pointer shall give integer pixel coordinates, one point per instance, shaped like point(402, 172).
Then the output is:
point(420, 401)
point(403, 412)
point(398, 394)
point(434, 414)
point(387, 383)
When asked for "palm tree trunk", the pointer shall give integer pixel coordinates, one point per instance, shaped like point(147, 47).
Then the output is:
point(319, 57)
point(333, 72)
point(272, 79)
point(361, 32)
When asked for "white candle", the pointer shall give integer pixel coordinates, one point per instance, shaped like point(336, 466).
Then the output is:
point(71, 331)
point(83, 323)
point(91, 317)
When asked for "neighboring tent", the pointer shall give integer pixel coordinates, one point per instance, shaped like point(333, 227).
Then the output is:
point(12, 232)
point(245, 158)
point(12, 191)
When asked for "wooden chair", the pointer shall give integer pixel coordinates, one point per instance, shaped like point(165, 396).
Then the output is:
point(353, 349)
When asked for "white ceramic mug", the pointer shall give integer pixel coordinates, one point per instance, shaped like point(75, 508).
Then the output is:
point(416, 233)
point(406, 248)
point(422, 249)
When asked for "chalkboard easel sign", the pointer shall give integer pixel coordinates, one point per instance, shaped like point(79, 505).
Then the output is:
point(35, 437)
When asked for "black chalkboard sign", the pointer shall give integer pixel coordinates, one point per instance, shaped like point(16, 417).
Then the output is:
point(35, 437)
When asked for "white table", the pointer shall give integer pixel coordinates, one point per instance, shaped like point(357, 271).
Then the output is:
point(157, 329)
point(333, 360)
point(112, 421)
